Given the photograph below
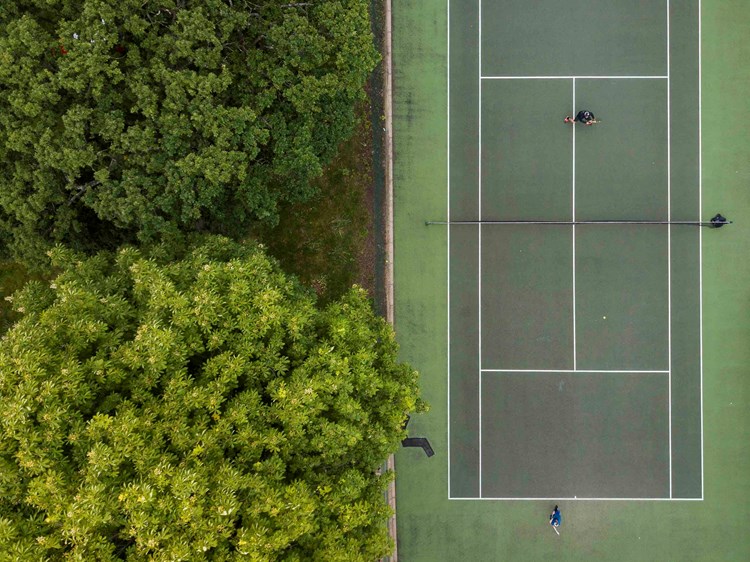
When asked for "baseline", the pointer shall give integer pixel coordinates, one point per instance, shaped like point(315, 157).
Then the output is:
point(486, 498)
point(605, 371)
point(574, 76)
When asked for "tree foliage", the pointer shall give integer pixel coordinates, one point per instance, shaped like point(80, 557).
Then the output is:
point(195, 409)
point(125, 120)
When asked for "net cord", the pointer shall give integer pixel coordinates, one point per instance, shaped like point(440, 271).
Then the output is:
point(576, 223)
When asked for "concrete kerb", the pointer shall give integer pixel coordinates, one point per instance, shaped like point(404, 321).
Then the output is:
point(388, 277)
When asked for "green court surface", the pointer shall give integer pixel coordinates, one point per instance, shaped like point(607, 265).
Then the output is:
point(561, 445)
point(599, 367)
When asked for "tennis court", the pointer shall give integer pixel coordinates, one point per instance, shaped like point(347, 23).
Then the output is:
point(599, 362)
point(574, 349)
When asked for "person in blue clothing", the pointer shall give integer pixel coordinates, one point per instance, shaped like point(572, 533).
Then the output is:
point(555, 518)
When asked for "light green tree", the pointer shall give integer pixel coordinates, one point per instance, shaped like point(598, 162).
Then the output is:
point(195, 405)
point(123, 121)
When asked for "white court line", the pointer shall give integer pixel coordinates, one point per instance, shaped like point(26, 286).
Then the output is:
point(604, 371)
point(479, 303)
point(448, 215)
point(574, 499)
point(575, 344)
point(700, 212)
point(572, 77)
point(669, 243)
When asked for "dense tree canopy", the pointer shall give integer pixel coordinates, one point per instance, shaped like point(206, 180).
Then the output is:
point(200, 408)
point(125, 120)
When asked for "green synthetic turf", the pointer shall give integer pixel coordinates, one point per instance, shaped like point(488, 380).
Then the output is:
point(575, 434)
point(621, 164)
point(527, 298)
point(575, 37)
point(433, 528)
point(527, 153)
point(532, 166)
point(622, 298)
point(464, 390)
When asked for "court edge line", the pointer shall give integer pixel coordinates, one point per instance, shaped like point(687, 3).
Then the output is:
point(669, 240)
point(479, 257)
point(602, 371)
point(448, 215)
point(700, 210)
point(573, 211)
point(583, 499)
point(571, 77)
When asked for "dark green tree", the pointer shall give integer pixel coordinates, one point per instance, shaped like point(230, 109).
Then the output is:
point(122, 121)
point(199, 408)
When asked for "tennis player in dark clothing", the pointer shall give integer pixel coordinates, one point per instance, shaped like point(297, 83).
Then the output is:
point(719, 220)
point(555, 519)
point(584, 116)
